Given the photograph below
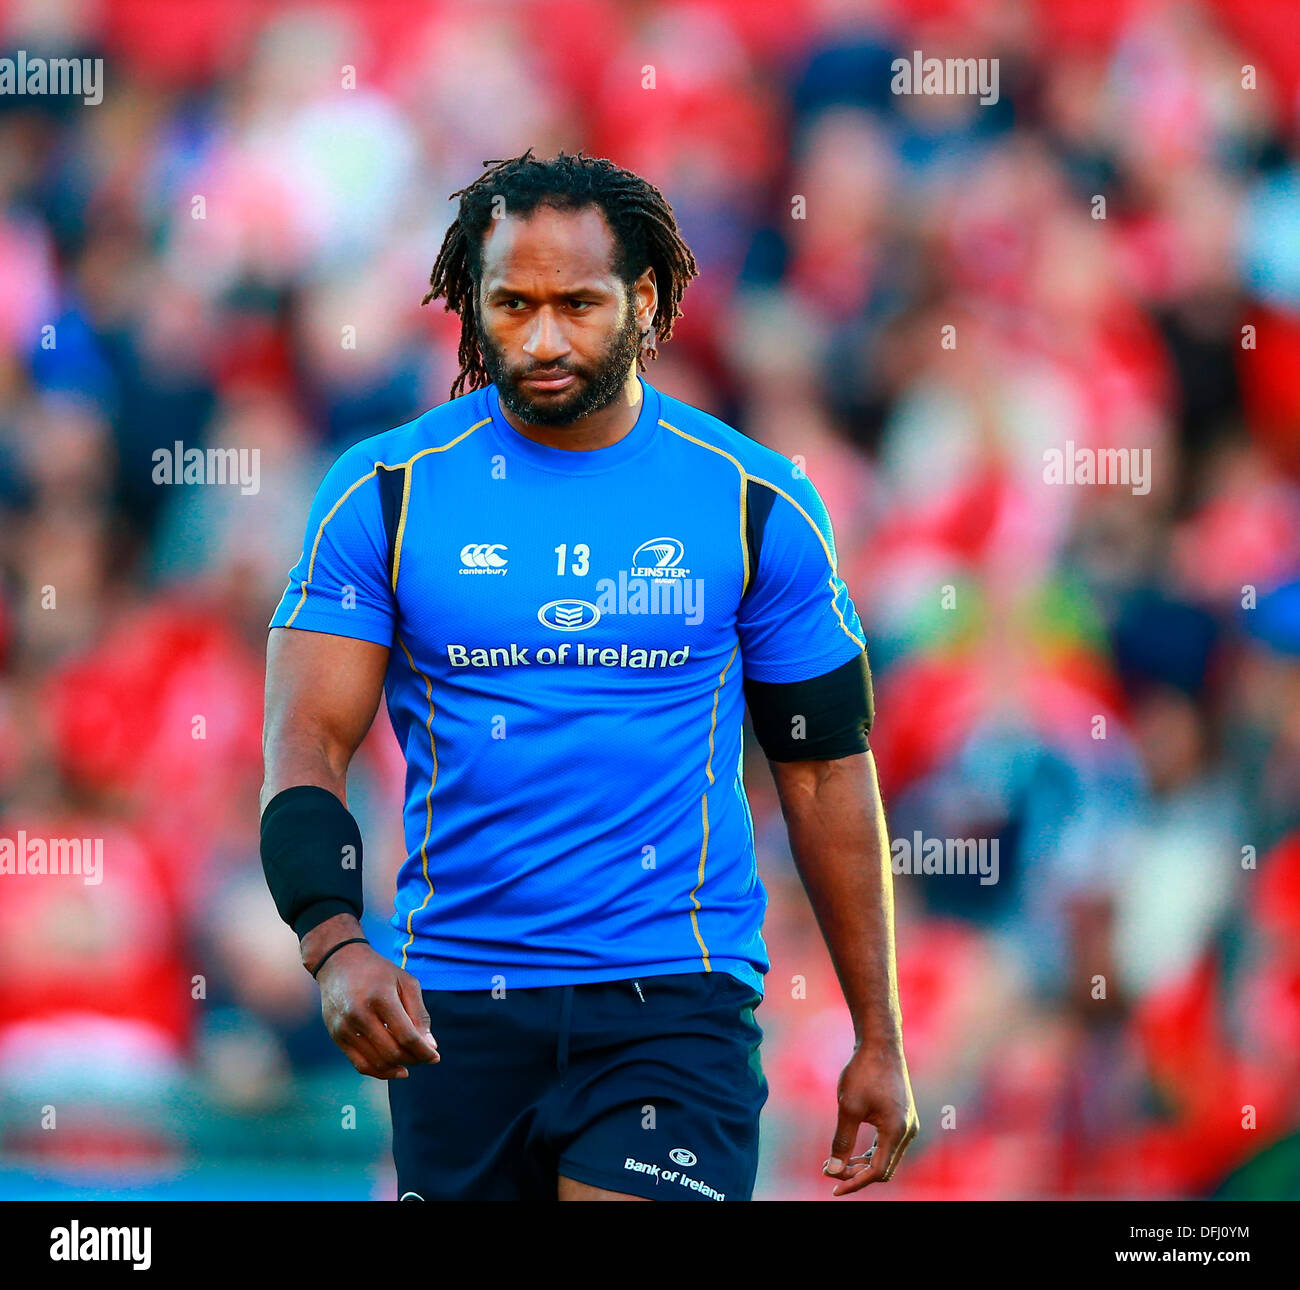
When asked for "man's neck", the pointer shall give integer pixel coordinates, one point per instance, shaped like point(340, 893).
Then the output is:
point(596, 430)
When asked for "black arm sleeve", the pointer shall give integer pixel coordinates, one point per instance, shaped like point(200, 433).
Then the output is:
point(311, 856)
point(817, 720)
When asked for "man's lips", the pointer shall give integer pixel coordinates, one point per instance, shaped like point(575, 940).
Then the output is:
point(549, 380)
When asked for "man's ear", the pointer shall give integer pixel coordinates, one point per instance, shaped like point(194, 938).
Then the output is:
point(647, 300)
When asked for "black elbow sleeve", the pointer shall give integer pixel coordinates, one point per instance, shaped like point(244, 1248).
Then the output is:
point(823, 718)
point(311, 856)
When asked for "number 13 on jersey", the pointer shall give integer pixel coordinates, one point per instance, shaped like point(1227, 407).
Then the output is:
point(581, 558)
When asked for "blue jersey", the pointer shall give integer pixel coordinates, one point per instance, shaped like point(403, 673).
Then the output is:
point(570, 634)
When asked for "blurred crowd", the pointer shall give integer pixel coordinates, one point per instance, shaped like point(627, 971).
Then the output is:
point(1105, 682)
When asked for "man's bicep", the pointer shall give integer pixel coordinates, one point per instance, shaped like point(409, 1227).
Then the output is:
point(322, 693)
point(823, 718)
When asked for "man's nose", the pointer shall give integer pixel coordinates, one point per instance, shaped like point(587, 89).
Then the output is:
point(546, 342)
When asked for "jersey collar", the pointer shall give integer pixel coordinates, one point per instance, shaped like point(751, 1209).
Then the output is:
point(565, 461)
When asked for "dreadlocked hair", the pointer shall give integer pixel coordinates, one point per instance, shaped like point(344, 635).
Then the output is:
point(644, 227)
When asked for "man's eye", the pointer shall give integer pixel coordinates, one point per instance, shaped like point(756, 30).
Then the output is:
point(509, 304)
point(580, 304)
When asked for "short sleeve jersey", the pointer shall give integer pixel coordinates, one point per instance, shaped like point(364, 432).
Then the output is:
point(570, 633)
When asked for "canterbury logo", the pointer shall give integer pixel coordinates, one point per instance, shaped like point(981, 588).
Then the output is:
point(568, 615)
point(659, 553)
point(483, 555)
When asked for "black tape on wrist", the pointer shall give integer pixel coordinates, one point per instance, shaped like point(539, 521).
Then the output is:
point(820, 719)
point(311, 856)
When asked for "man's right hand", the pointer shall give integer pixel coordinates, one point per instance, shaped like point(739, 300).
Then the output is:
point(373, 1010)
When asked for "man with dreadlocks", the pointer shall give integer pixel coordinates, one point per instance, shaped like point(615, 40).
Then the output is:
point(568, 585)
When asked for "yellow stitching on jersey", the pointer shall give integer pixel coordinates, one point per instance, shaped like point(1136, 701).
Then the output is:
point(406, 490)
point(744, 497)
point(746, 477)
point(428, 803)
point(374, 470)
point(830, 559)
point(320, 532)
point(704, 810)
point(401, 523)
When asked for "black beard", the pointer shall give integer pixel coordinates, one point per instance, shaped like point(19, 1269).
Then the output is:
point(596, 387)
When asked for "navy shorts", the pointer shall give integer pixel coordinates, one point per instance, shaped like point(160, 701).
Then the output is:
point(652, 1087)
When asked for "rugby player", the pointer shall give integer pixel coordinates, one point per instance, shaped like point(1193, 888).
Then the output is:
point(567, 586)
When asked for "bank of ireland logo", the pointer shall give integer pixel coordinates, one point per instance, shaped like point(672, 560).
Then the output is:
point(659, 558)
point(483, 557)
point(568, 615)
point(680, 1156)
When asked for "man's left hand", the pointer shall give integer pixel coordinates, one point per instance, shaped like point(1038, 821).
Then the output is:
point(874, 1089)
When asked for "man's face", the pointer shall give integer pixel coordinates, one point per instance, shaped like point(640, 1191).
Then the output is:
point(558, 330)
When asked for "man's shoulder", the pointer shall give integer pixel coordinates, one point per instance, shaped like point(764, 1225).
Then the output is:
point(710, 433)
point(440, 428)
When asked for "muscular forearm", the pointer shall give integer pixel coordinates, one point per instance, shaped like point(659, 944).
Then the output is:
point(841, 849)
point(303, 759)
